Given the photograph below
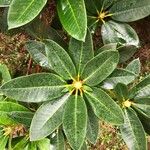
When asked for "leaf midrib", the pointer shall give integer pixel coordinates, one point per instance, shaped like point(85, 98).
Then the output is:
point(26, 10)
point(74, 17)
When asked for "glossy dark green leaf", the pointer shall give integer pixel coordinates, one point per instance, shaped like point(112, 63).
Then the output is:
point(75, 121)
point(92, 126)
point(102, 66)
point(121, 33)
point(111, 46)
point(22, 12)
point(38, 53)
point(130, 10)
point(60, 60)
point(47, 118)
point(118, 76)
point(132, 131)
point(6, 108)
point(34, 88)
point(43, 144)
point(73, 23)
point(4, 73)
point(104, 107)
point(134, 66)
point(81, 52)
point(122, 92)
point(4, 3)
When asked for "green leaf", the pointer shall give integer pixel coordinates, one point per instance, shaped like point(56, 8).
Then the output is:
point(47, 118)
point(81, 52)
point(118, 76)
point(3, 142)
point(134, 66)
point(143, 105)
point(121, 33)
point(40, 30)
point(73, 23)
point(122, 92)
point(22, 12)
point(104, 107)
point(111, 46)
point(34, 88)
point(43, 144)
point(60, 60)
point(6, 108)
point(126, 52)
point(4, 73)
point(92, 126)
point(22, 117)
point(75, 121)
point(102, 66)
point(38, 53)
point(4, 3)
point(132, 131)
point(21, 144)
point(143, 93)
point(144, 120)
point(60, 140)
point(130, 10)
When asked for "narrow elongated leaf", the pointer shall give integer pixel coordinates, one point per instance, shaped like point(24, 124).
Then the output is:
point(81, 52)
point(47, 118)
point(73, 23)
point(104, 107)
point(132, 131)
point(130, 10)
point(75, 121)
point(121, 33)
point(102, 66)
point(4, 73)
point(60, 60)
point(118, 76)
point(38, 53)
point(92, 126)
point(22, 12)
point(134, 66)
point(34, 88)
point(122, 92)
